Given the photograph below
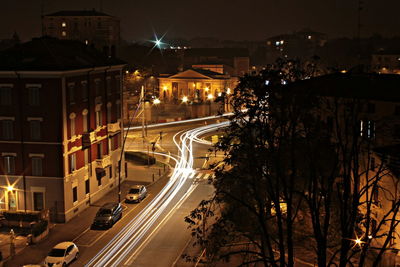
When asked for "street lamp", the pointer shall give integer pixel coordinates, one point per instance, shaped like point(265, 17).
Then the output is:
point(156, 101)
point(185, 99)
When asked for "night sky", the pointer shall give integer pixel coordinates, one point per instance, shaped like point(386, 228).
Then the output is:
point(223, 19)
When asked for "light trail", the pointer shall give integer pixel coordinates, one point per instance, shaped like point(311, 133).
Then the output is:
point(179, 122)
point(124, 243)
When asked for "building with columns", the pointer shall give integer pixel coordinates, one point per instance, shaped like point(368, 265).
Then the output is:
point(195, 85)
point(60, 127)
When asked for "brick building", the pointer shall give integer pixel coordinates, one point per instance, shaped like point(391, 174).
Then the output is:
point(60, 126)
point(94, 28)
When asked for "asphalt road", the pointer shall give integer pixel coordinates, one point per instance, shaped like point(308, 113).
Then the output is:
point(153, 233)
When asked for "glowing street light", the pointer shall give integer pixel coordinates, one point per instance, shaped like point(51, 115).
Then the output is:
point(165, 88)
point(228, 91)
point(206, 89)
point(156, 101)
point(185, 99)
point(10, 188)
point(210, 96)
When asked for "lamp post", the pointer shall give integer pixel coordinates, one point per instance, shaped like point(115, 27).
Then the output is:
point(209, 98)
point(185, 100)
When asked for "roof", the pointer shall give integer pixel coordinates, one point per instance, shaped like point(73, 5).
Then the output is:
point(51, 54)
point(137, 186)
point(77, 13)
point(372, 86)
point(63, 245)
point(192, 73)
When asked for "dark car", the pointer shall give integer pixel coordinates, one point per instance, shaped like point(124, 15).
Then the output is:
point(107, 215)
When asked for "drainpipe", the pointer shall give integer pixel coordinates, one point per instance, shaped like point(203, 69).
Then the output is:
point(21, 110)
point(88, 130)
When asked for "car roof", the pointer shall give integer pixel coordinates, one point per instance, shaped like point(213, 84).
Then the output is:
point(63, 245)
point(109, 205)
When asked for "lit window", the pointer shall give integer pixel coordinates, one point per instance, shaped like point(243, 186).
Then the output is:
point(64, 33)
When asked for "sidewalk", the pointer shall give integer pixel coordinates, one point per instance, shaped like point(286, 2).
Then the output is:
point(36, 253)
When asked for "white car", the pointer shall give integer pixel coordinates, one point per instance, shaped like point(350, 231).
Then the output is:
point(62, 254)
point(136, 193)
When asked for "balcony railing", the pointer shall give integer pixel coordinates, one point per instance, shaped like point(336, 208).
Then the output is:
point(114, 127)
point(104, 162)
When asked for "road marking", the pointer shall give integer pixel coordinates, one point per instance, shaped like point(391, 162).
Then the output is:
point(145, 242)
point(206, 176)
point(199, 175)
point(192, 175)
point(105, 231)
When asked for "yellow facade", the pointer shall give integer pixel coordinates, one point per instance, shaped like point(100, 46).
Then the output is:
point(195, 86)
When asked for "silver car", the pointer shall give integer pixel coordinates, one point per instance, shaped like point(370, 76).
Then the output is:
point(136, 193)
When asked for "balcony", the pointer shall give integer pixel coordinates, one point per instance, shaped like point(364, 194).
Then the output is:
point(88, 138)
point(103, 163)
point(114, 127)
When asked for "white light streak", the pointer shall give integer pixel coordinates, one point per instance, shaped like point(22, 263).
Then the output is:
point(131, 235)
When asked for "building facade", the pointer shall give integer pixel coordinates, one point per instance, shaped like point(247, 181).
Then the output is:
point(386, 62)
point(94, 28)
point(195, 85)
point(60, 125)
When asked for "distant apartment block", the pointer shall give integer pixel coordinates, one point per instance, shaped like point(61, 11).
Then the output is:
point(302, 44)
point(89, 26)
point(387, 62)
point(60, 127)
point(232, 61)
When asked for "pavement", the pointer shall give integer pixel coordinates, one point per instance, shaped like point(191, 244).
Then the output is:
point(29, 254)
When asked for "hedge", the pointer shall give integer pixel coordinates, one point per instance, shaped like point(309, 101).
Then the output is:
point(140, 158)
point(39, 228)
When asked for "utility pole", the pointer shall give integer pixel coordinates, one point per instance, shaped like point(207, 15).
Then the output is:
point(143, 111)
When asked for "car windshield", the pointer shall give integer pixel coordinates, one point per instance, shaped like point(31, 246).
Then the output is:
point(103, 212)
point(134, 191)
point(57, 252)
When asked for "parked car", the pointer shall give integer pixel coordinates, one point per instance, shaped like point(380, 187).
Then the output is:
point(62, 254)
point(136, 194)
point(107, 215)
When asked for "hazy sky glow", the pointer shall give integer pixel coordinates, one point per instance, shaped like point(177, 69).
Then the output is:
point(224, 19)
